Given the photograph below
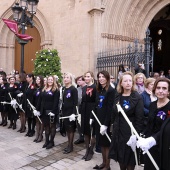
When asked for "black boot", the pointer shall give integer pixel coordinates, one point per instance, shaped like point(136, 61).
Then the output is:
point(70, 149)
point(46, 141)
point(90, 154)
point(50, 145)
point(86, 154)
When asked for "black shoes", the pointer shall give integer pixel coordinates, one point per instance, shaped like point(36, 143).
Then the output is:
point(39, 139)
point(1, 123)
point(90, 154)
point(78, 141)
point(99, 166)
point(45, 144)
point(86, 154)
point(50, 145)
point(5, 123)
point(68, 150)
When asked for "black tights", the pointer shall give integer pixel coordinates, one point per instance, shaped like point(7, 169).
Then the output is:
point(89, 141)
point(31, 124)
point(126, 167)
point(70, 135)
point(39, 129)
point(105, 153)
point(23, 121)
point(50, 131)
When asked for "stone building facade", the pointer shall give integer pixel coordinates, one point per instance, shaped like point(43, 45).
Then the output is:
point(80, 29)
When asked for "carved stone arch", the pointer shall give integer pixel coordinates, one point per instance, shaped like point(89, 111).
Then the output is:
point(44, 29)
point(7, 40)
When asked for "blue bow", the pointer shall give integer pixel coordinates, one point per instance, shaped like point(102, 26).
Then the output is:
point(126, 104)
point(38, 92)
point(161, 114)
point(101, 101)
point(68, 94)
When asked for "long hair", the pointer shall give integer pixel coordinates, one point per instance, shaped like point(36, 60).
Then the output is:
point(119, 87)
point(107, 76)
point(41, 81)
point(22, 77)
point(71, 77)
point(54, 86)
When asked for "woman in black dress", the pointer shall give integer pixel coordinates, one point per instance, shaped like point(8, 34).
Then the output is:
point(48, 107)
point(3, 94)
point(69, 103)
point(30, 89)
point(156, 131)
point(39, 126)
point(11, 94)
point(87, 105)
point(105, 96)
point(21, 91)
point(132, 104)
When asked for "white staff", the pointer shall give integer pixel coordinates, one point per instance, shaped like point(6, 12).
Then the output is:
point(101, 125)
point(135, 132)
point(16, 103)
point(13, 104)
point(72, 117)
point(5, 102)
point(33, 108)
point(78, 116)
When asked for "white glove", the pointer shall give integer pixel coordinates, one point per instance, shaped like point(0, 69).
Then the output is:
point(91, 121)
point(36, 113)
point(146, 143)
point(51, 114)
point(13, 102)
point(72, 117)
point(20, 94)
point(132, 142)
point(103, 129)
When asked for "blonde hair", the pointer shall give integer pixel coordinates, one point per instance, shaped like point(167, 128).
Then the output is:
point(119, 87)
point(148, 81)
point(91, 73)
point(54, 86)
point(138, 75)
point(71, 77)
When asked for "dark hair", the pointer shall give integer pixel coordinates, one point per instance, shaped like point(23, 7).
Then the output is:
point(121, 68)
point(4, 79)
point(12, 77)
point(33, 78)
point(107, 76)
point(79, 78)
point(41, 81)
point(22, 77)
point(162, 79)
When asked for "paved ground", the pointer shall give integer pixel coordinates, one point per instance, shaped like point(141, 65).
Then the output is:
point(20, 152)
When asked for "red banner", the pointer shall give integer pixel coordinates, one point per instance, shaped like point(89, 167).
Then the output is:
point(13, 26)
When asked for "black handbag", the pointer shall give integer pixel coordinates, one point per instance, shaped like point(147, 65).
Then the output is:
point(47, 112)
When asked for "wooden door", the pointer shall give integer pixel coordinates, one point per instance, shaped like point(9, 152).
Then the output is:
point(29, 51)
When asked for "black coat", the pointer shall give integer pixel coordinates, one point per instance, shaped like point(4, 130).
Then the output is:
point(12, 90)
point(87, 105)
point(104, 109)
point(119, 150)
point(155, 129)
point(3, 95)
point(28, 95)
point(48, 100)
point(165, 144)
point(70, 101)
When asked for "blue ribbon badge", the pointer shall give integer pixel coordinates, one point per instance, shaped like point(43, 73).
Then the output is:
point(68, 94)
point(101, 98)
point(50, 93)
point(38, 92)
point(126, 104)
point(161, 114)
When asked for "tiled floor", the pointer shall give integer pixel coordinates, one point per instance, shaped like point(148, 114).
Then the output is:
point(20, 152)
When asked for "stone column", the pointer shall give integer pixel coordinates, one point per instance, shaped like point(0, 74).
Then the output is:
point(95, 33)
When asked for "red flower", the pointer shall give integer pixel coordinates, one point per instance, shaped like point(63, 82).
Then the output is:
point(168, 113)
point(32, 86)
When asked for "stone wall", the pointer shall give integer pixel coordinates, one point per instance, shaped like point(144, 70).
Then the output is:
point(79, 29)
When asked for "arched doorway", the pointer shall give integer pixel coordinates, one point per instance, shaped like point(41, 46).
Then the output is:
point(30, 50)
point(160, 34)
